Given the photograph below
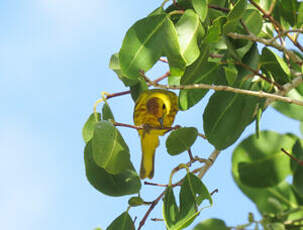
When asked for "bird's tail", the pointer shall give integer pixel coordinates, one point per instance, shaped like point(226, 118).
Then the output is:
point(149, 143)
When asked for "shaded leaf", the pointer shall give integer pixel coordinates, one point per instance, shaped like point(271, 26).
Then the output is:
point(237, 11)
point(170, 208)
point(109, 149)
point(211, 224)
point(135, 201)
point(89, 126)
point(124, 183)
point(122, 222)
point(181, 140)
point(226, 116)
point(107, 114)
point(137, 89)
point(201, 71)
point(271, 62)
point(262, 163)
point(143, 45)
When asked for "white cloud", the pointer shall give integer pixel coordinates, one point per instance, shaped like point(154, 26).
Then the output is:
point(25, 194)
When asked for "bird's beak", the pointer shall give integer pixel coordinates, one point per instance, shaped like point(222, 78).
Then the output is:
point(161, 121)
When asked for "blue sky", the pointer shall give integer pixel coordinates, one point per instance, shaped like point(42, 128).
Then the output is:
point(54, 57)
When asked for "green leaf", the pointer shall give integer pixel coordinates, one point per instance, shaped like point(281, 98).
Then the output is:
point(268, 200)
point(181, 140)
point(122, 222)
point(262, 163)
point(253, 21)
point(251, 58)
point(231, 74)
point(135, 201)
point(201, 71)
point(214, 33)
point(297, 152)
point(289, 11)
point(109, 149)
point(146, 41)
point(301, 128)
point(300, 18)
point(124, 183)
point(170, 208)
point(201, 8)
point(107, 114)
point(275, 226)
point(211, 224)
point(89, 126)
point(226, 116)
point(114, 65)
point(137, 89)
point(237, 11)
point(298, 180)
point(288, 109)
point(189, 30)
point(271, 62)
point(193, 192)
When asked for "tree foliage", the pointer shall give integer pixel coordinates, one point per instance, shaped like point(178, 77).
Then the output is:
point(249, 53)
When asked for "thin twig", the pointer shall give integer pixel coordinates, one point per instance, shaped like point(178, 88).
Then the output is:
point(202, 135)
point(259, 74)
point(225, 10)
point(163, 60)
point(276, 24)
point(155, 184)
point(190, 155)
point(286, 88)
point(127, 125)
point(213, 192)
point(153, 204)
point(300, 162)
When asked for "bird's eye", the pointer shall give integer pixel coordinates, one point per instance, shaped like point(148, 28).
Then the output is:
point(163, 106)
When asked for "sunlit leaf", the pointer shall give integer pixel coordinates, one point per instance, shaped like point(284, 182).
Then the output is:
point(114, 65)
point(144, 44)
point(109, 149)
point(189, 29)
point(291, 110)
point(89, 126)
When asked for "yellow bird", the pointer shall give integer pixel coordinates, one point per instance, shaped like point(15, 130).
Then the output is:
point(154, 108)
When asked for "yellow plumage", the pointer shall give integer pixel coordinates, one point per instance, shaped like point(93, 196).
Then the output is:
point(154, 108)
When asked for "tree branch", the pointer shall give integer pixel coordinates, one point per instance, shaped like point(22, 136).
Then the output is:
point(261, 94)
point(212, 158)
